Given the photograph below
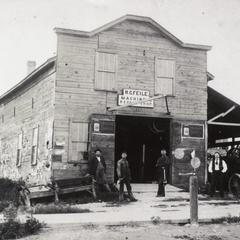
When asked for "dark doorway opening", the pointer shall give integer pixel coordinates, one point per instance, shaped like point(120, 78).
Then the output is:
point(142, 138)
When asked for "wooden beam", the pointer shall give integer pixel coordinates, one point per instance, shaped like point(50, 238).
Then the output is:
point(222, 114)
point(225, 124)
point(48, 193)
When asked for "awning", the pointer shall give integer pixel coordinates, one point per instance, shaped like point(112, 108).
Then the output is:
point(223, 118)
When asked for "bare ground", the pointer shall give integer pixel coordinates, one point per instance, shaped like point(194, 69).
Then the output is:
point(138, 231)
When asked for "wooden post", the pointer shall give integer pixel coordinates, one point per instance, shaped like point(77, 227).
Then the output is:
point(193, 182)
point(143, 161)
point(56, 191)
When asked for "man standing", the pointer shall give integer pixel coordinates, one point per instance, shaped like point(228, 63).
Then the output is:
point(97, 169)
point(124, 177)
point(217, 168)
point(162, 166)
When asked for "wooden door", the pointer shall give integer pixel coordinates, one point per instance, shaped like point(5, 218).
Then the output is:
point(102, 136)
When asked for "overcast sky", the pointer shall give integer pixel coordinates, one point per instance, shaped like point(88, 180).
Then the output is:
point(26, 31)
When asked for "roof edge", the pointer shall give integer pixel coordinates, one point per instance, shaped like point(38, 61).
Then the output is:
point(135, 18)
point(233, 102)
point(210, 77)
point(28, 77)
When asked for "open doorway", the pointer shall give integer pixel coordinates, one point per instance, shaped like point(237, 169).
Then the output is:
point(142, 138)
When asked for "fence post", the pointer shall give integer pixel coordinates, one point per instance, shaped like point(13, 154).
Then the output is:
point(193, 182)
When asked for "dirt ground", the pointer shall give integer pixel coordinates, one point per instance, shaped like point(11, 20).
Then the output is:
point(138, 231)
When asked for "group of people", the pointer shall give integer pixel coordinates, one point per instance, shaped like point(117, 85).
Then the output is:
point(97, 169)
point(217, 168)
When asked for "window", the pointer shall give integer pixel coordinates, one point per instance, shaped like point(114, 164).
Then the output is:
point(35, 146)
point(105, 74)
point(164, 76)
point(19, 150)
point(78, 140)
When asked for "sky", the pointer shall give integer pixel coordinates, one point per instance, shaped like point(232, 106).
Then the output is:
point(26, 31)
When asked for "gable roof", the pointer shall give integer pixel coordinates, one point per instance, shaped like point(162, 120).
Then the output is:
point(134, 18)
point(29, 78)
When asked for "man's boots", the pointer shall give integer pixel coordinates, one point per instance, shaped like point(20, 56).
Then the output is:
point(132, 198)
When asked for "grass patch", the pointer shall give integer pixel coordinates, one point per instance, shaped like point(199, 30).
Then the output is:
point(187, 237)
point(13, 229)
point(225, 203)
point(57, 209)
point(179, 199)
point(160, 206)
point(90, 226)
point(184, 237)
point(228, 219)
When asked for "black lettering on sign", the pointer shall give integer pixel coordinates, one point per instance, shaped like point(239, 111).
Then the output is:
point(193, 131)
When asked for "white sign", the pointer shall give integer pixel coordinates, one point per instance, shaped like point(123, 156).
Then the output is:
point(131, 96)
point(195, 162)
point(186, 131)
point(179, 153)
point(96, 127)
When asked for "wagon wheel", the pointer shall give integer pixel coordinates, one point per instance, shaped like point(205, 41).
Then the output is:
point(234, 185)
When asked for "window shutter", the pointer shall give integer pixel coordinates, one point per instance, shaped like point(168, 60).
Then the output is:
point(78, 140)
point(35, 145)
point(19, 150)
point(35, 137)
point(164, 76)
point(105, 77)
point(20, 140)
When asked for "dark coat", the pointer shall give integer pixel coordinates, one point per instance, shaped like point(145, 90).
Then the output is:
point(93, 164)
point(162, 165)
point(123, 170)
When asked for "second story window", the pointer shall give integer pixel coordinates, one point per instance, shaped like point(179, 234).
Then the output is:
point(105, 71)
point(164, 76)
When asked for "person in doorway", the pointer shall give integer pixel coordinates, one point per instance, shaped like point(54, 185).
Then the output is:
point(97, 169)
point(162, 166)
point(124, 177)
point(217, 168)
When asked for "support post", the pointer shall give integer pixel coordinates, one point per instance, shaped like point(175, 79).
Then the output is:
point(56, 191)
point(193, 182)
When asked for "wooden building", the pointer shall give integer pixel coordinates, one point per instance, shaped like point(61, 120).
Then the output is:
point(95, 93)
